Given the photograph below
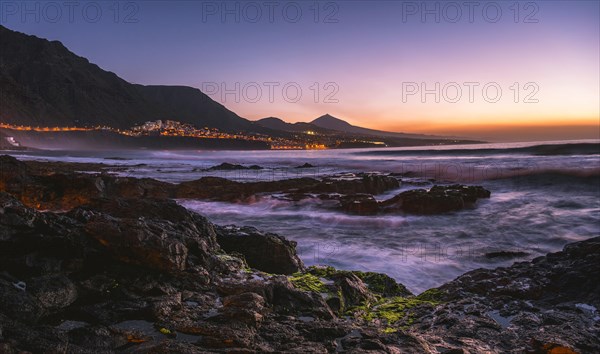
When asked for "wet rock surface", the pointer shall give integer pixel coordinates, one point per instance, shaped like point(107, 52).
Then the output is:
point(267, 252)
point(363, 204)
point(305, 165)
point(41, 189)
point(221, 189)
point(124, 269)
point(225, 166)
point(117, 276)
point(45, 189)
point(437, 200)
point(548, 305)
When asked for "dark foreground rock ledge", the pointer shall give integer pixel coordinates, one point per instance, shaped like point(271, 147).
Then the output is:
point(118, 276)
point(125, 272)
point(130, 276)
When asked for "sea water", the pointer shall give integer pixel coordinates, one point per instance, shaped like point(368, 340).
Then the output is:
point(544, 195)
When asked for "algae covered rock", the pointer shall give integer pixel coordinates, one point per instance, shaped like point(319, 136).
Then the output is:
point(346, 290)
point(378, 283)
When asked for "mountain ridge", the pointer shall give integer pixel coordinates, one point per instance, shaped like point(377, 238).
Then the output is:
point(43, 83)
point(330, 124)
point(280, 124)
point(328, 121)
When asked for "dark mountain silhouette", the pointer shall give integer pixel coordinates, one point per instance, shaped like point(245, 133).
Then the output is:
point(275, 123)
point(357, 137)
point(279, 124)
point(330, 122)
point(43, 83)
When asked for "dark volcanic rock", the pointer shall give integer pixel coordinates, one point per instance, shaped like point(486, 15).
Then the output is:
point(44, 189)
point(146, 275)
point(118, 275)
point(345, 290)
point(148, 243)
point(127, 236)
point(53, 291)
point(306, 165)
point(151, 232)
point(505, 254)
point(362, 204)
point(231, 167)
point(548, 303)
point(216, 188)
point(268, 252)
point(439, 199)
point(366, 183)
point(14, 174)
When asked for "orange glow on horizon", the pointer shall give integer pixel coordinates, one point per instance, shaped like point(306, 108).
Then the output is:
point(493, 124)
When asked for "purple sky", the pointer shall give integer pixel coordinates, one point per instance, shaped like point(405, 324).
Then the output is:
point(358, 60)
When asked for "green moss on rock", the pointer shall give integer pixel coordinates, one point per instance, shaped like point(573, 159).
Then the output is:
point(382, 284)
point(432, 295)
point(308, 282)
point(394, 310)
point(323, 272)
point(390, 302)
point(378, 283)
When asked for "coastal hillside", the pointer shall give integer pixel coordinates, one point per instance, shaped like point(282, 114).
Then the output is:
point(299, 127)
point(43, 83)
point(332, 123)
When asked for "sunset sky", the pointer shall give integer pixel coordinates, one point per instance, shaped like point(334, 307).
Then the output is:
point(368, 54)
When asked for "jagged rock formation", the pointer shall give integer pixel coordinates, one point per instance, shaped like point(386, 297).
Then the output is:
point(267, 252)
point(436, 200)
point(142, 274)
point(45, 189)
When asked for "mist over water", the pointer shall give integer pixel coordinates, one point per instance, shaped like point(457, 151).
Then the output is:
point(426, 251)
point(543, 196)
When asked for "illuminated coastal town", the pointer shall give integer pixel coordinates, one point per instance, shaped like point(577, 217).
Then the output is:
point(307, 140)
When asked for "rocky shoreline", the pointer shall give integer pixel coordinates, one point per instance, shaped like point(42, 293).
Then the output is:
point(115, 265)
point(55, 186)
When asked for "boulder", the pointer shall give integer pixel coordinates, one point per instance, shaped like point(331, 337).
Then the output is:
point(344, 290)
point(437, 200)
point(267, 252)
point(231, 167)
point(151, 209)
point(305, 165)
point(362, 204)
point(363, 183)
point(248, 308)
point(53, 292)
point(147, 243)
